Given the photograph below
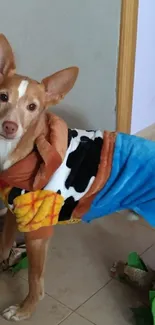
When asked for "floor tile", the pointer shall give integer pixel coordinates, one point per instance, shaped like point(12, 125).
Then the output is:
point(130, 215)
point(111, 305)
point(120, 236)
point(149, 257)
point(13, 290)
point(80, 256)
point(73, 272)
point(75, 319)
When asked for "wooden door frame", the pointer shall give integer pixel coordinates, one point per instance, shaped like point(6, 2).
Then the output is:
point(126, 64)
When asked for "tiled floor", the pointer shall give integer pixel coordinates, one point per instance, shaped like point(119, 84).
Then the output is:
point(79, 290)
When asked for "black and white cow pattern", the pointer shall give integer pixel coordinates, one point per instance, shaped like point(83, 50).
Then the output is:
point(15, 191)
point(77, 172)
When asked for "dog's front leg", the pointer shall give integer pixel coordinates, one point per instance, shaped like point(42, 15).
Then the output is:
point(37, 251)
point(7, 237)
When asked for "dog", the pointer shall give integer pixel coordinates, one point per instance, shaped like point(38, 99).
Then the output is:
point(86, 171)
point(22, 100)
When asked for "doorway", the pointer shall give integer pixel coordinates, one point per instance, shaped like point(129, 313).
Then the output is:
point(126, 64)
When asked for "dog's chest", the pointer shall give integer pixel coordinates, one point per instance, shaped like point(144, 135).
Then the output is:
point(6, 148)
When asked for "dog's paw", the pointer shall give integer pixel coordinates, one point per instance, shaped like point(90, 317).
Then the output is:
point(10, 312)
point(14, 313)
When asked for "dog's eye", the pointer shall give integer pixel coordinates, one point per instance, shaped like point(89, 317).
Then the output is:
point(4, 97)
point(32, 107)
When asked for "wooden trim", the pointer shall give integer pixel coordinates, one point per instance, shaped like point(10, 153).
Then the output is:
point(126, 64)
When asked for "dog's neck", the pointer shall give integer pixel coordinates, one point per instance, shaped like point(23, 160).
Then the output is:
point(15, 150)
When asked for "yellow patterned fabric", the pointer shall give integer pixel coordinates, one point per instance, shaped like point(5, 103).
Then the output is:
point(69, 221)
point(37, 209)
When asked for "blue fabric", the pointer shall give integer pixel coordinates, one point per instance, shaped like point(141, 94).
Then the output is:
point(131, 184)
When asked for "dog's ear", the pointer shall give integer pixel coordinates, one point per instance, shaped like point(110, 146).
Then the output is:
point(7, 61)
point(59, 84)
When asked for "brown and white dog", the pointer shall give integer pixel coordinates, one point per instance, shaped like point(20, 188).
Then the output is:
point(22, 100)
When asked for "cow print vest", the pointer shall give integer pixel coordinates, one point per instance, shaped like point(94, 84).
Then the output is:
point(76, 174)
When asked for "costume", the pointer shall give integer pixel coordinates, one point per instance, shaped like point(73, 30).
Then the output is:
point(79, 175)
point(131, 184)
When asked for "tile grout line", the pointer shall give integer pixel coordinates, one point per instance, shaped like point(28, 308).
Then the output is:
point(85, 319)
point(93, 295)
point(146, 250)
point(50, 296)
point(73, 310)
point(65, 318)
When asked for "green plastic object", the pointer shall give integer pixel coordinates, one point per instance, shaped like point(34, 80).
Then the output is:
point(22, 264)
point(151, 296)
point(135, 261)
point(143, 315)
point(152, 302)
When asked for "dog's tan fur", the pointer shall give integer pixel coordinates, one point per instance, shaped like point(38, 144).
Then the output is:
point(16, 110)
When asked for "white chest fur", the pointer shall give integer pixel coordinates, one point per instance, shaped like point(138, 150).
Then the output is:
point(6, 148)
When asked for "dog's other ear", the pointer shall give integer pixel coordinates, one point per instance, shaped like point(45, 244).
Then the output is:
point(59, 84)
point(7, 61)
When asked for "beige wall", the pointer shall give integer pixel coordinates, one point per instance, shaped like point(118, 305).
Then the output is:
point(53, 34)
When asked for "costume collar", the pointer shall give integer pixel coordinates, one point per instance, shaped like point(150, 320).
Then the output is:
point(34, 171)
